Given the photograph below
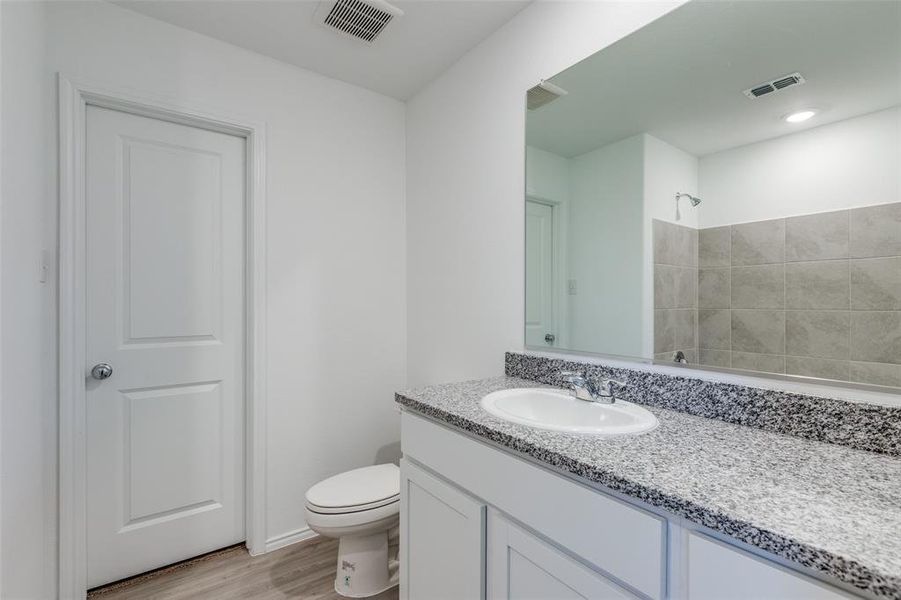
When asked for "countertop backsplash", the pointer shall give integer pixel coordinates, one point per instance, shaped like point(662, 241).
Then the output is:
point(869, 427)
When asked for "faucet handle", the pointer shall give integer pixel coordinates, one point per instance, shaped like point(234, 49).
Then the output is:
point(570, 376)
point(607, 386)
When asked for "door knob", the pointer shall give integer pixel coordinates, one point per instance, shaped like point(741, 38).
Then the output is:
point(550, 338)
point(101, 371)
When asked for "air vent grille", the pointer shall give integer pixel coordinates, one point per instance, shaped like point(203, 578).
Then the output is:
point(775, 85)
point(543, 93)
point(362, 20)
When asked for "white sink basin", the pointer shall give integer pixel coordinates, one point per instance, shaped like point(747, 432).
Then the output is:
point(558, 411)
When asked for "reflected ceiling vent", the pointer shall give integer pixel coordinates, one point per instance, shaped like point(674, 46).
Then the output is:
point(363, 20)
point(775, 85)
point(543, 93)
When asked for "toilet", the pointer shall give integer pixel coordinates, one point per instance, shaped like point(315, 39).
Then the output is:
point(361, 509)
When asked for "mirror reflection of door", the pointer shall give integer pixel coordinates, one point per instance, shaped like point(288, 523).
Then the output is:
point(541, 324)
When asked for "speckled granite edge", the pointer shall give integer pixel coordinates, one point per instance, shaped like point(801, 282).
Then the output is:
point(838, 567)
point(862, 426)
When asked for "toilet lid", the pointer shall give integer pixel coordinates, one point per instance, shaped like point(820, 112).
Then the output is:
point(375, 485)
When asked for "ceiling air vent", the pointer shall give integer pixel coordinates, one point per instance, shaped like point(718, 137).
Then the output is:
point(363, 20)
point(775, 85)
point(543, 93)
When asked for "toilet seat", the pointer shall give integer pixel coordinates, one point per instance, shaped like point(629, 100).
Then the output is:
point(360, 490)
point(355, 499)
point(352, 520)
point(340, 510)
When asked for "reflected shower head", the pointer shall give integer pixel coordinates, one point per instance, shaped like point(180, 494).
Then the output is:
point(693, 199)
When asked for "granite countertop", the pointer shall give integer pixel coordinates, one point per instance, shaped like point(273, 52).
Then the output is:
point(827, 507)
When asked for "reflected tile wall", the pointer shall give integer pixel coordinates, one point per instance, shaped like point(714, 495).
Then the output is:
point(675, 291)
point(815, 295)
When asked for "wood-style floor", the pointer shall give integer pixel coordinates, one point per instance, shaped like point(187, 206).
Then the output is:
point(305, 571)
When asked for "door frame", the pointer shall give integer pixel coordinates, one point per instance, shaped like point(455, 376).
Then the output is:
point(74, 98)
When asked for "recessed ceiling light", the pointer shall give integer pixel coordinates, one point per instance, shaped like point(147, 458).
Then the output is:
point(800, 116)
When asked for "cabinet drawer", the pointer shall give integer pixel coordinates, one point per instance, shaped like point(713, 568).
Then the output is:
point(716, 571)
point(623, 541)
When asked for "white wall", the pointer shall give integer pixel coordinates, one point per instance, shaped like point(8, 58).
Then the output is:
point(605, 249)
point(335, 234)
point(667, 170)
point(547, 175)
point(465, 184)
point(27, 411)
point(856, 162)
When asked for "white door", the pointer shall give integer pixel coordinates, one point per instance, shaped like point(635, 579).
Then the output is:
point(522, 566)
point(540, 325)
point(165, 309)
point(442, 539)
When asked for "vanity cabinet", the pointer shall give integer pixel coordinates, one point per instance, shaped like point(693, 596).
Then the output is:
point(442, 539)
point(479, 522)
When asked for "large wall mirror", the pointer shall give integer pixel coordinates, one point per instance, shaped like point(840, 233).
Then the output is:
point(723, 188)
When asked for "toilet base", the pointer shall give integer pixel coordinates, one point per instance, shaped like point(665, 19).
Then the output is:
point(364, 565)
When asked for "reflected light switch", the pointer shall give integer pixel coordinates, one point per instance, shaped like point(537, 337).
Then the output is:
point(572, 287)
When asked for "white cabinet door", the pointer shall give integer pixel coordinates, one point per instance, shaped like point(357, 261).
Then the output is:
point(717, 572)
point(442, 548)
point(164, 297)
point(522, 566)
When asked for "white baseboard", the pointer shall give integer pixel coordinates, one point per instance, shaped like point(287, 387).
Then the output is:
point(292, 537)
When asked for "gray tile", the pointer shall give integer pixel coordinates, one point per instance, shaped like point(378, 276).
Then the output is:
point(876, 283)
point(714, 329)
point(820, 284)
point(663, 241)
point(686, 287)
point(714, 288)
point(664, 286)
point(687, 246)
point(817, 333)
point(838, 370)
point(762, 286)
point(664, 331)
point(675, 329)
point(685, 328)
point(762, 242)
point(715, 247)
point(766, 363)
point(714, 358)
point(817, 237)
point(691, 355)
point(876, 373)
point(876, 337)
point(675, 244)
point(758, 331)
point(876, 231)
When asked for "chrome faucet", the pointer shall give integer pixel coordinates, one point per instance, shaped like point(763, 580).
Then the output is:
point(583, 388)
